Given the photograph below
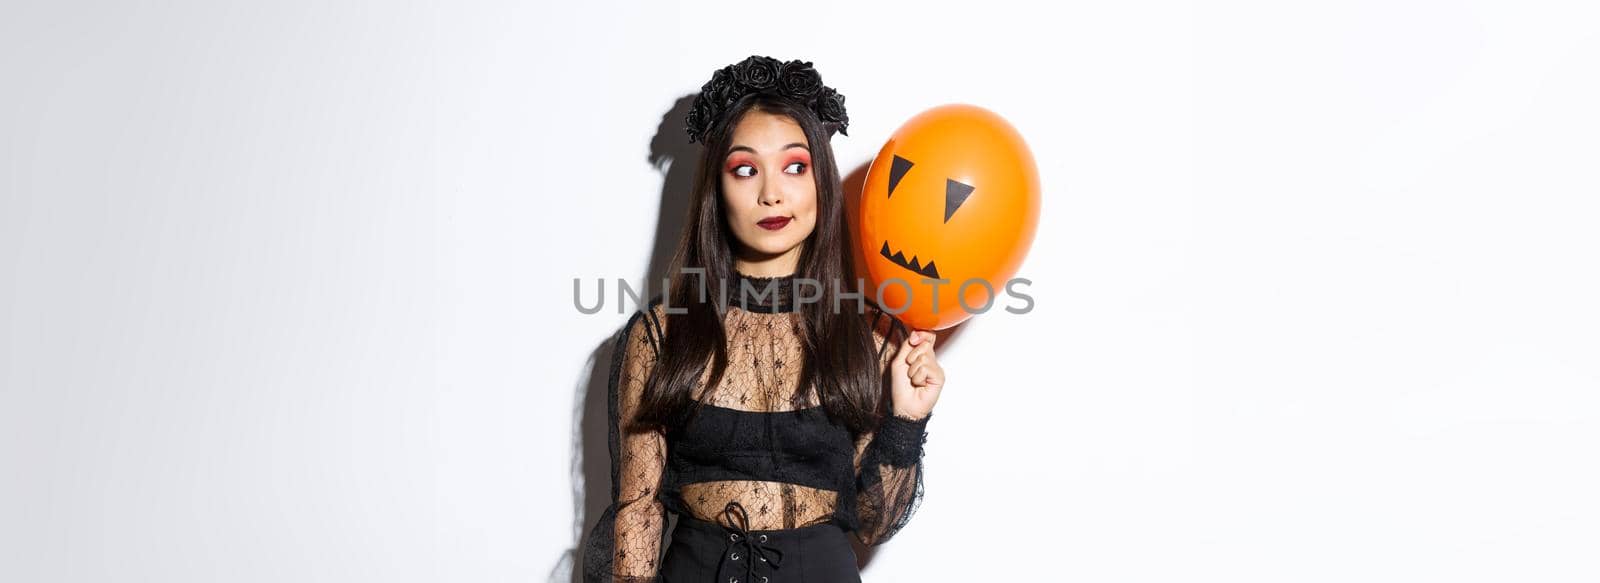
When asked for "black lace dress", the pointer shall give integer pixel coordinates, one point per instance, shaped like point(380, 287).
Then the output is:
point(758, 458)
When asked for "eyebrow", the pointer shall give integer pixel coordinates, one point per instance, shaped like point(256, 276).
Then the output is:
point(753, 151)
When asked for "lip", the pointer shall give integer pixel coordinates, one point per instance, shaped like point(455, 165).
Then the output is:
point(774, 223)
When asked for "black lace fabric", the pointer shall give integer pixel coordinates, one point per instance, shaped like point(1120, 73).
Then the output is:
point(764, 357)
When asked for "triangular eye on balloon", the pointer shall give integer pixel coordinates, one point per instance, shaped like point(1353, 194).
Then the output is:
point(955, 193)
point(897, 171)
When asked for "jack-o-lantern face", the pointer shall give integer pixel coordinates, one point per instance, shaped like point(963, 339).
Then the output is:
point(953, 195)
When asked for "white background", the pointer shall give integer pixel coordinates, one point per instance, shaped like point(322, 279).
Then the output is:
point(288, 286)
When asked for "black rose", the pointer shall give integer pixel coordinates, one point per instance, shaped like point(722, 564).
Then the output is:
point(830, 108)
point(691, 125)
point(701, 114)
point(757, 73)
point(721, 89)
point(799, 80)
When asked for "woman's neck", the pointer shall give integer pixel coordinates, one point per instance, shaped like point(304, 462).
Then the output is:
point(780, 265)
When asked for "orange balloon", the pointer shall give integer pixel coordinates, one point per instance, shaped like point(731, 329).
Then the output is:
point(953, 196)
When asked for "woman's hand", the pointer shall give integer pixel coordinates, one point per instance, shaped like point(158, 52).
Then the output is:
point(916, 376)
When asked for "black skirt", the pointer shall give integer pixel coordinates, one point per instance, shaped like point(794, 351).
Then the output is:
point(707, 552)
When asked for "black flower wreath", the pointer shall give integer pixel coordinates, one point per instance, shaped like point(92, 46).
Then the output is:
point(794, 80)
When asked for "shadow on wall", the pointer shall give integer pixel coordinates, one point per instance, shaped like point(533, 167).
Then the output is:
point(673, 155)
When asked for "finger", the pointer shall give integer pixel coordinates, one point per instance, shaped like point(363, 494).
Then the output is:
point(921, 355)
point(917, 352)
point(914, 374)
point(903, 352)
point(909, 345)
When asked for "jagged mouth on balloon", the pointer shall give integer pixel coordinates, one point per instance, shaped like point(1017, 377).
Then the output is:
point(899, 258)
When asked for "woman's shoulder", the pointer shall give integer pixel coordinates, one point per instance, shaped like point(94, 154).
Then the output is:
point(649, 320)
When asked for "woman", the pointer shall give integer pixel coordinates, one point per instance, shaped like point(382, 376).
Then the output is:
point(773, 422)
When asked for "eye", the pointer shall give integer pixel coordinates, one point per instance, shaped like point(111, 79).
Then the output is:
point(802, 166)
point(897, 171)
point(744, 170)
point(955, 193)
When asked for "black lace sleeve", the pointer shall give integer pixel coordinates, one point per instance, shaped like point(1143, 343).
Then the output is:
point(888, 459)
point(624, 545)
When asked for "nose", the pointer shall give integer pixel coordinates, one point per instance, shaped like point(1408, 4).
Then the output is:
point(771, 191)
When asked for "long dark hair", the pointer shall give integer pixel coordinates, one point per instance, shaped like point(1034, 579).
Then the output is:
point(841, 364)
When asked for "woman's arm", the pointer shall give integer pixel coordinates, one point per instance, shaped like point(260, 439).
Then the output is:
point(640, 516)
point(888, 460)
point(888, 478)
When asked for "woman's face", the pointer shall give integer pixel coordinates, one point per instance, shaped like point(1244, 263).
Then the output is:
point(767, 187)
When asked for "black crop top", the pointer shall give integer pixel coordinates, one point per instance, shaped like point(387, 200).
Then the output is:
point(803, 447)
point(754, 440)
